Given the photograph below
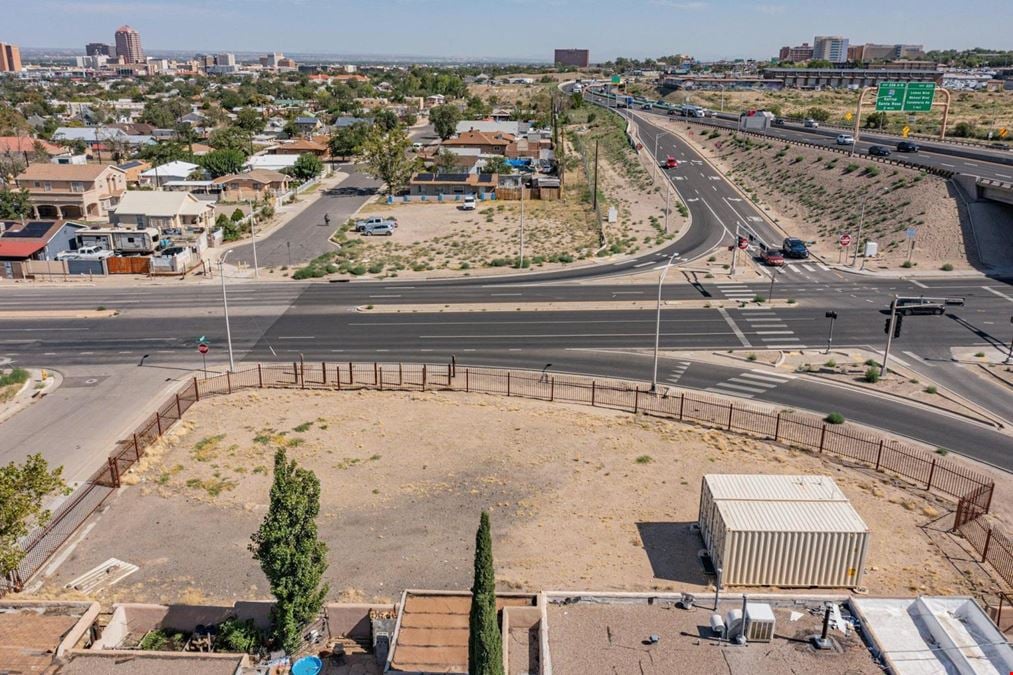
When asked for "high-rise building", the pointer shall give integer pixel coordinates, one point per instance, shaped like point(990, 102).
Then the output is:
point(128, 45)
point(98, 49)
point(225, 59)
point(579, 58)
point(832, 48)
point(804, 52)
point(271, 60)
point(10, 58)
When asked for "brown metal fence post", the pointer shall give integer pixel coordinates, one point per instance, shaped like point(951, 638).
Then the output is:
point(636, 400)
point(260, 375)
point(777, 427)
point(179, 408)
point(375, 374)
point(323, 371)
point(337, 374)
point(879, 454)
point(682, 403)
point(592, 393)
point(114, 472)
point(228, 380)
point(467, 381)
point(295, 373)
point(423, 377)
point(988, 541)
point(302, 371)
point(731, 409)
point(351, 373)
point(508, 383)
point(158, 423)
point(137, 448)
point(932, 471)
point(381, 378)
point(400, 374)
point(449, 376)
point(552, 389)
point(196, 390)
point(823, 435)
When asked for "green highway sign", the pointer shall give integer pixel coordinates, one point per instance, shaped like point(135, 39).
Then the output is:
point(616, 79)
point(919, 96)
point(905, 96)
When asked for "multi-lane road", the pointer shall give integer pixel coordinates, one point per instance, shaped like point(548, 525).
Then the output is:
point(279, 321)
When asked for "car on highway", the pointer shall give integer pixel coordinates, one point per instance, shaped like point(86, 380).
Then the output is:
point(998, 146)
point(778, 122)
point(909, 306)
point(879, 151)
point(381, 230)
point(670, 162)
point(469, 203)
point(795, 248)
point(361, 225)
point(908, 146)
point(672, 112)
point(810, 123)
point(646, 106)
point(772, 257)
point(845, 139)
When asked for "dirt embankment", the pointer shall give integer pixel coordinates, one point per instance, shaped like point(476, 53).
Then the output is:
point(819, 195)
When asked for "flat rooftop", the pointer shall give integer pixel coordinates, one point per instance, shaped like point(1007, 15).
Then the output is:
point(140, 663)
point(612, 637)
point(30, 634)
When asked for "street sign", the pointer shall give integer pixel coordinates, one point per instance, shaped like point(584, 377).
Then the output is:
point(905, 96)
point(849, 116)
point(845, 240)
point(1003, 132)
point(616, 79)
point(911, 232)
point(202, 340)
point(743, 243)
point(202, 348)
point(905, 131)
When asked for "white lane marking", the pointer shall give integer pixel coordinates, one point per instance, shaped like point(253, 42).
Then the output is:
point(735, 329)
point(385, 296)
point(753, 317)
point(970, 163)
point(297, 337)
point(917, 283)
point(919, 359)
point(823, 267)
point(727, 393)
point(764, 375)
point(503, 295)
point(627, 292)
point(999, 293)
point(740, 387)
point(649, 262)
point(807, 268)
point(774, 332)
point(945, 164)
point(1002, 175)
point(759, 385)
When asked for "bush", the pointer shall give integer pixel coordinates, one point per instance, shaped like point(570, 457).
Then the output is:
point(931, 389)
point(942, 452)
point(947, 267)
point(834, 418)
point(907, 264)
point(872, 374)
point(15, 376)
point(871, 171)
point(161, 641)
point(831, 364)
point(644, 459)
point(239, 636)
point(238, 215)
point(759, 298)
point(751, 357)
point(850, 168)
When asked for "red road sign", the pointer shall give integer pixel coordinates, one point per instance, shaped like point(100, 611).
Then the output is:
point(743, 243)
point(202, 348)
point(845, 240)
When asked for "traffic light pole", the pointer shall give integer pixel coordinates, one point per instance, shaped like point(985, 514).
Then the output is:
point(735, 247)
point(830, 335)
point(889, 333)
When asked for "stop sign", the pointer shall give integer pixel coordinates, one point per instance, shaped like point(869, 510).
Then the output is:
point(743, 243)
point(845, 240)
point(202, 348)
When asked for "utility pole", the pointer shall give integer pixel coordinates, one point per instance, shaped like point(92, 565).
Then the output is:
point(594, 197)
point(830, 336)
point(735, 247)
point(861, 224)
point(668, 201)
point(655, 157)
point(773, 274)
point(520, 264)
point(657, 326)
point(225, 304)
point(253, 234)
point(889, 333)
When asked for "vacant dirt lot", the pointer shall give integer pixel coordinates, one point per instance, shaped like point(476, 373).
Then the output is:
point(818, 195)
point(580, 498)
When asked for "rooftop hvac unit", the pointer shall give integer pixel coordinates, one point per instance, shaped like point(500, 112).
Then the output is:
point(759, 622)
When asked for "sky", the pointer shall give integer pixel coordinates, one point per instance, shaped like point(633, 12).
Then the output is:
point(523, 29)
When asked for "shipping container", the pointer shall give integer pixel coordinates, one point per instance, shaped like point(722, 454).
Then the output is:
point(788, 543)
point(746, 487)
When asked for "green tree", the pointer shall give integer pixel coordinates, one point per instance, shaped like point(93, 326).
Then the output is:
point(347, 141)
point(290, 551)
point(14, 205)
point(237, 215)
point(875, 120)
point(166, 151)
point(22, 489)
point(485, 644)
point(498, 165)
point(385, 155)
point(444, 119)
point(818, 114)
point(307, 166)
point(386, 119)
point(232, 138)
point(445, 162)
point(222, 162)
point(164, 113)
point(477, 108)
point(963, 130)
point(250, 120)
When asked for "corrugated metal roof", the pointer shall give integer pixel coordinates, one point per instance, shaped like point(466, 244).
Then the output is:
point(786, 516)
point(766, 487)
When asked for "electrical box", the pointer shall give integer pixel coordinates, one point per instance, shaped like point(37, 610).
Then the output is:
point(759, 622)
point(871, 249)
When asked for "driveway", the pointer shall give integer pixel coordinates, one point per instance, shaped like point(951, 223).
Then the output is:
point(305, 236)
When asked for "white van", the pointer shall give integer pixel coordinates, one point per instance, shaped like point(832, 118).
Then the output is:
point(469, 203)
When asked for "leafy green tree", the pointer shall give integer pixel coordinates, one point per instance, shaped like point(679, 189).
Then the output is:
point(875, 120)
point(14, 205)
point(963, 130)
point(232, 138)
point(238, 215)
point(477, 108)
point(385, 155)
point(347, 141)
point(222, 162)
point(498, 165)
point(445, 162)
point(818, 114)
point(164, 113)
point(250, 120)
point(22, 489)
point(290, 551)
point(386, 119)
point(485, 644)
point(444, 119)
point(307, 166)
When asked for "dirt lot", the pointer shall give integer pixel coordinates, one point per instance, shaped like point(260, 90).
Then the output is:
point(818, 195)
point(580, 498)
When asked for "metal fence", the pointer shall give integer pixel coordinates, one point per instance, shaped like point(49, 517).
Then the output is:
point(800, 430)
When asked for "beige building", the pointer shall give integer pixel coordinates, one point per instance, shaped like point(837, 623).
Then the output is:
point(81, 191)
point(10, 58)
point(173, 213)
point(255, 185)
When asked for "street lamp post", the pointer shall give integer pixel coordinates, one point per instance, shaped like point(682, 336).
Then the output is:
point(657, 325)
point(225, 304)
point(520, 263)
point(668, 202)
point(861, 224)
point(830, 335)
point(253, 234)
point(655, 157)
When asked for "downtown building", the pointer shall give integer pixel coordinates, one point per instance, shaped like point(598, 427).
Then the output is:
point(128, 45)
point(10, 58)
point(578, 58)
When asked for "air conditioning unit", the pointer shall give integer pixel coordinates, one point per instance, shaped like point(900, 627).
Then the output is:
point(759, 622)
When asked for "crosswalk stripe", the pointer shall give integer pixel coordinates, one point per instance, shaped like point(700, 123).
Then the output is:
point(754, 389)
point(750, 383)
point(823, 267)
point(775, 332)
point(807, 268)
point(769, 377)
point(726, 393)
point(779, 339)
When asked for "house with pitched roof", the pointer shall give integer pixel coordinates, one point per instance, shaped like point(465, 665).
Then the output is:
point(487, 143)
point(257, 185)
point(59, 191)
point(36, 239)
point(173, 213)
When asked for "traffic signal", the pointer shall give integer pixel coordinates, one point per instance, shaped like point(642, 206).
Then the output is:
point(896, 325)
point(886, 327)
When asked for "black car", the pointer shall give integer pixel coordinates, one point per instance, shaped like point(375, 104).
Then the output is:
point(778, 122)
point(907, 146)
point(879, 151)
point(795, 248)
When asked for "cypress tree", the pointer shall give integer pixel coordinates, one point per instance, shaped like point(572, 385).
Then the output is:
point(485, 645)
point(290, 552)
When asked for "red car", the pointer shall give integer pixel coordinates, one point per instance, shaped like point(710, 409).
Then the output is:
point(671, 162)
point(772, 257)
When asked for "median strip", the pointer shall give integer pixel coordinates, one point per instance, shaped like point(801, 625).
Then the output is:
point(58, 313)
point(608, 305)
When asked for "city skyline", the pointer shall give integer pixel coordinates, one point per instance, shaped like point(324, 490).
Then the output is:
point(436, 28)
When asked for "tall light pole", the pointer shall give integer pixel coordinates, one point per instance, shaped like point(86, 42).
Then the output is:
point(520, 263)
point(225, 304)
point(253, 233)
point(861, 224)
point(656, 163)
point(668, 201)
point(830, 335)
point(657, 325)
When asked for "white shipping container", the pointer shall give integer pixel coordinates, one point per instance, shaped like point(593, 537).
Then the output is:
point(789, 544)
point(752, 487)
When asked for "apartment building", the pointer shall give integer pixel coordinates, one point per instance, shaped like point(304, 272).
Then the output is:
point(74, 191)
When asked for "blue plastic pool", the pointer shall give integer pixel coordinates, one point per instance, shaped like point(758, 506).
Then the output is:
point(307, 665)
